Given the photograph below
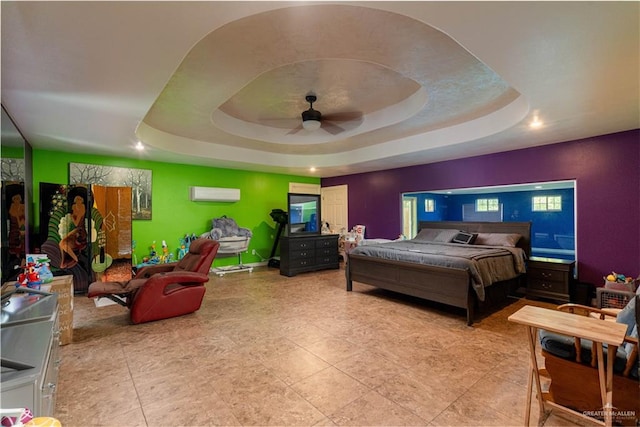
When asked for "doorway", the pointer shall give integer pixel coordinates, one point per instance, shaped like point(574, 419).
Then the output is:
point(335, 208)
point(409, 215)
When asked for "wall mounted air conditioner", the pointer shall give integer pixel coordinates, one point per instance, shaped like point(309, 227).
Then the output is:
point(299, 187)
point(214, 194)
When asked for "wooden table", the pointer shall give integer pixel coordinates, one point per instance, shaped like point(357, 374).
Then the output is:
point(577, 326)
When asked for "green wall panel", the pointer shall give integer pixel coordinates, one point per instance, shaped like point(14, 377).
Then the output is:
point(12, 152)
point(173, 214)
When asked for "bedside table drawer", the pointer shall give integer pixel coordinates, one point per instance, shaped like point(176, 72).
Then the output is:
point(547, 275)
point(557, 287)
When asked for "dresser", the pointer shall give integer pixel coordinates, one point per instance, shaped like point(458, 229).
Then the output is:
point(30, 353)
point(300, 254)
point(550, 278)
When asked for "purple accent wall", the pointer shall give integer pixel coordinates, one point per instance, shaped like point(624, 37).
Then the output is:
point(607, 174)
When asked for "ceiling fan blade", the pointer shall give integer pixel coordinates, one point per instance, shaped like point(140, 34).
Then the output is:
point(295, 130)
point(332, 128)
point(346, 116)
point(280, 123)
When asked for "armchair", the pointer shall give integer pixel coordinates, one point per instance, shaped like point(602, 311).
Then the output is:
point(571, 364)
point(162, 291)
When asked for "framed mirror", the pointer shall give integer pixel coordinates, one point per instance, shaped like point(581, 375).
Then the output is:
point(16, 188)
point(303, 214)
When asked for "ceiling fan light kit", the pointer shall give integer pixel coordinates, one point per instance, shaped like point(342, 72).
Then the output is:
point(311, 118)
point(311, 124)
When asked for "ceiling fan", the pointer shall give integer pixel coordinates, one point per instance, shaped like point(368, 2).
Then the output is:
point(313, 120)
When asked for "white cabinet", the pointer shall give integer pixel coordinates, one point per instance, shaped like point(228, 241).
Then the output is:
point(30, 361)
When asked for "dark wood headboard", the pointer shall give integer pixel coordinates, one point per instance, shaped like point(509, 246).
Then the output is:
point(522, 228)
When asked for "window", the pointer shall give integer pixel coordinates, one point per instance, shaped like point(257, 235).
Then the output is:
point(487, 205)
point(546, 203)
point(429, 205)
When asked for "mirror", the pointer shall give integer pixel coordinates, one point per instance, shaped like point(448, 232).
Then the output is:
point(549, 206)
point(15, 168)
point(304, 210)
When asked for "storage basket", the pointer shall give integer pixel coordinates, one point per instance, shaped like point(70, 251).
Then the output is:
point(613, 298)
point(626, 286)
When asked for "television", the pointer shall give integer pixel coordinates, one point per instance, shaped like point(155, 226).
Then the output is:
point(304, 214)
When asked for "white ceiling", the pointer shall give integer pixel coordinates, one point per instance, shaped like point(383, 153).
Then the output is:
point(224, 83)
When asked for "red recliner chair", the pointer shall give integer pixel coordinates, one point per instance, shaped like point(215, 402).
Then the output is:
point(167, 290)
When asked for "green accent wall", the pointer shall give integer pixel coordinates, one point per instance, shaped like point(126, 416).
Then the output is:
point(12, 152)
point(173, 214)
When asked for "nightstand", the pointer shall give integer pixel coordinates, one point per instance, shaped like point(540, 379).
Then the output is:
point(550, 278)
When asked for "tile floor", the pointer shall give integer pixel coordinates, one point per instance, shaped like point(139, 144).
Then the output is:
point(265, 349)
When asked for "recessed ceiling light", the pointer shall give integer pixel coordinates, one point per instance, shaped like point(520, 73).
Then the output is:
point(312, 169)
point(139, 146)
point(535, 123)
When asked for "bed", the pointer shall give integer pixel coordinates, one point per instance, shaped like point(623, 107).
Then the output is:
point(449, 283)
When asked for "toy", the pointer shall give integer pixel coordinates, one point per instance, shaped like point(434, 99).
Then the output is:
point(152, 259)
point(44, 271)
point(40, 264)
point(620, 282)
point(152, 252)
point(16, 417)
point(166, 256)
point(29, 277)
point(185, 242)
point(183, 247)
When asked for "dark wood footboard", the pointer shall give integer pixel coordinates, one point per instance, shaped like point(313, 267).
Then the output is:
point(444, 285)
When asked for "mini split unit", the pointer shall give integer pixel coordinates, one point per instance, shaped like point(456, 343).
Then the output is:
point(214, 194)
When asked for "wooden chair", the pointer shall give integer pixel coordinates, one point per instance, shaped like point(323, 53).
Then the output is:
point(574, 375)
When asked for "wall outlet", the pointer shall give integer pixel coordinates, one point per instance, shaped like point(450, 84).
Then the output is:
point(253, 251)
